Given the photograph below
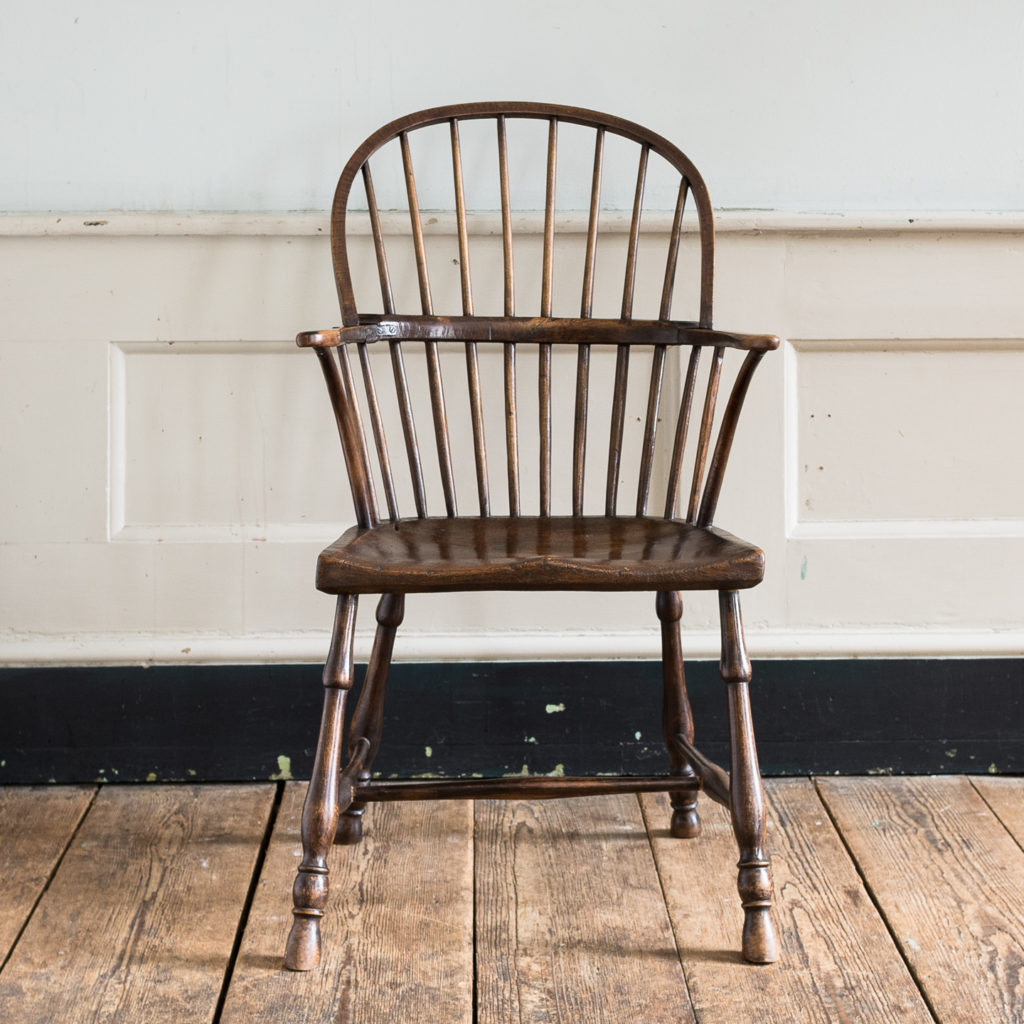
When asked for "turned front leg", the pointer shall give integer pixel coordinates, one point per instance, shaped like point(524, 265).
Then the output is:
point(746, 793)
point(676, 716)
point(368, 718)
point(323, 798)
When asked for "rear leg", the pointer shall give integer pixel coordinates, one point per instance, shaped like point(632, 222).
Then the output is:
point(368, 719)
point(676, 716)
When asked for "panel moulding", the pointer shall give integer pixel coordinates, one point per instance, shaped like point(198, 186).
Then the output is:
point(120, 529)
point(511, 646)
point(921, 528)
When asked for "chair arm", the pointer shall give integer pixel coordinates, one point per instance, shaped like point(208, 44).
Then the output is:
point(747, 342)
point(327, 338)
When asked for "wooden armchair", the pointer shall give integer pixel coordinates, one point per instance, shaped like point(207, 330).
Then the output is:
point(663, 543)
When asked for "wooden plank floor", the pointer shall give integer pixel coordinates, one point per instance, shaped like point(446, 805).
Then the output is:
point(897, 899)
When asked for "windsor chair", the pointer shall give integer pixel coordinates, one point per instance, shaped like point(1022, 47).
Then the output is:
point(668, 549)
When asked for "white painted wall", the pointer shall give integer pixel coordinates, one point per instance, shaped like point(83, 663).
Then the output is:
point(151, 405)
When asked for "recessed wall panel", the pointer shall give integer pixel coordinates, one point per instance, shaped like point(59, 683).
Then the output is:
point(228, 437)
point(907, 431)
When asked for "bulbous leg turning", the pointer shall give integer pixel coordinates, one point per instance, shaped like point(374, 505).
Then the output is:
point(325, 799)
point(755, 888)
point(309, 895)
point(350, 826)
point(685, 819)
point(746, 794)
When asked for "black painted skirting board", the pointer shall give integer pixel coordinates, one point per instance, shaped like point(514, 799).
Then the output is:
point(213, 723)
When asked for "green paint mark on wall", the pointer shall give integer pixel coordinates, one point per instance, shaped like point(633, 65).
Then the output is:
point(429, 751)
point(552, 708)
point(284, 769)
point(803, 568)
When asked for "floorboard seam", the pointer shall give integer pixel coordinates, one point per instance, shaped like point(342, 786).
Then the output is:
point(668, 912)
point(995, 813)
point(476, 979)
point(876, 904)
point(52, 875)
point(250, 896)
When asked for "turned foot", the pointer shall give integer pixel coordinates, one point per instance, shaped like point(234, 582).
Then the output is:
point(350, 827)
point(302, 953)
point(685, 819)
point(755, 888)
point(759, 944)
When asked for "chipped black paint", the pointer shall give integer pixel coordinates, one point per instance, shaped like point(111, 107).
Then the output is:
point(214, 723)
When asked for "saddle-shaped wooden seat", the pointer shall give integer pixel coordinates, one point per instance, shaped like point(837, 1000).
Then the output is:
point(577, 407)
point(537, 553)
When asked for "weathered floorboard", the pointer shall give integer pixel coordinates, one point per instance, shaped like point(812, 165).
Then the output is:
point(571, 922)
point(139, 922)
point(1005, 795)
point(837, 961)
point(36, 824)
point(950, 880)
point(398, 931)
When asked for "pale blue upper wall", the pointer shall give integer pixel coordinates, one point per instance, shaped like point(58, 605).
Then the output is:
point(799, 105)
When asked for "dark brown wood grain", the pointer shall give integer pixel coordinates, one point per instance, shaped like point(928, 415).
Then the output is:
point(950, 880)
point(524, 787)
point(537, 552)
point(396, 551)
point(139, 922)
point(512, 329)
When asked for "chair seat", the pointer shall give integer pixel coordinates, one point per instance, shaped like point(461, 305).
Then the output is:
point(537, 553)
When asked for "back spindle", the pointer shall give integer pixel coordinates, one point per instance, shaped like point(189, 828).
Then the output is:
point(682, 427)
point(379, 437)
point(634, 236)
point(511, 429)
point(506, 222)
point(472, 362)
point(704, 438)
point(579, 441)
point(426, 302)
point(477, 414)
point(378, 241)
point(673, 251)
point(618, 418)
point(544, 353)
point(460, 215)
point(587, 302)
point(650, 429)
point(437, 406)
point(412, 447)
